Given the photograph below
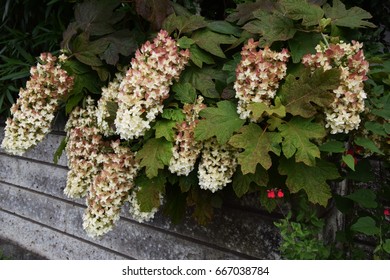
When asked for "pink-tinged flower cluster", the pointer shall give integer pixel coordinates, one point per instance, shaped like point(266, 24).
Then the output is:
point(135, 208)
point(146, 84)
point(34, 110)
point(217, 165)
point(107, 106)
point(110, 189)
point(257, 76)
point(343, 113)
point(186, 149)
point(84, 146)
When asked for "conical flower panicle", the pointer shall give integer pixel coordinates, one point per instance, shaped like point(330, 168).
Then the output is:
point(257, 76)
point(110, 189)
point(146, 85)
point(35, 109)
point(186, 149)
point(84, 146)
point(343, 114)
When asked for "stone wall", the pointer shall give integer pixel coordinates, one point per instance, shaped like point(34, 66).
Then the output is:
point(36, 215)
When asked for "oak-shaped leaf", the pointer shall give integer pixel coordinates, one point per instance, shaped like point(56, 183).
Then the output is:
point(154, 11)
point(211, 41)
point(303, 43)
point(311, 179)
point(271, 26)
point(241, 183)
point(184, 24)
point(244, 11)
point(184, 92)
point(203, 79)
point(204, 204)
point(309, 13)
point(165, 129)
point(256, 144)
point(261, 110)
point(221, 121)
point(154, 155)
point(297, 134)
point(148, 196)
point(354, 17)
point(303, 94)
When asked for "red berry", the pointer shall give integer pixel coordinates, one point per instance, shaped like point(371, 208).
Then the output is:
point(280, 193)
point(386, 212)
point(271, 194)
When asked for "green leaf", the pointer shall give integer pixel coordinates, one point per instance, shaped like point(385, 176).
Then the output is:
point(231, 66)
point(311, 179)
point(303, 43)
point(260, 110)
point(60, 150)
point(352, 18)
point(386, 246)
point(199, 56)
point(175, 204)
point(211, 41)
point(154, 155)
point(203, 202)
point(310, 14)
point(332, 146)
point(363, 172)
point(257, 144)
point(300, 93)
point(220, 122)
point(364, 197)
point(241, 182)
point(185, 24)
point(297, 134)
point(244, 11)
point(185, 42)
point(365, 225)
point(72, 102)
point(376, 128)
point(165, 129)
point(224, 27)
point(349, 160)
point(368, 144)
point(88, 58)
point(268, 204)
point(173, 114)
point(184, 92)
point(272, 27)
point(188, 182)
point(202, 80)
point(148, 196)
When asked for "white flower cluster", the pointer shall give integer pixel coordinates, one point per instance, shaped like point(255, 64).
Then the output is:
point(34, 110)
point(257, 76)
point(84, 146)
point(343, 113)
point(107, 106)
point(186, 150)
point(110, 190)
point(135, 209)
point(217, 165)
point(146, 84)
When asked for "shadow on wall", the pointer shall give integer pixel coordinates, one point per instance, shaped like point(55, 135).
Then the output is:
point(11, 251)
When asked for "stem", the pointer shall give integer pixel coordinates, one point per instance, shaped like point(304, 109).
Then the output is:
point(325, 40)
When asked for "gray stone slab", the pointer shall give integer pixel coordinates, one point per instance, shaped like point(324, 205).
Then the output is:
point(49, 243)
point(244, 232)
point(131, 239)
point(45, 150)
